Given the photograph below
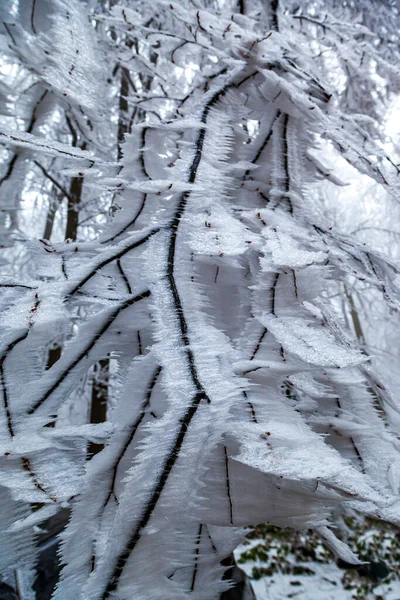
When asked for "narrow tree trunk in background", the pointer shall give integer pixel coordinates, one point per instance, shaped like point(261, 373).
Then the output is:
point(101, 371)
point(98, 411)
point(51, 213)
point(54, 352)
point(53, 356)
point(71, 232)
point(74, 200)
point(123, 110)
point(99, 395)
point(354, 317)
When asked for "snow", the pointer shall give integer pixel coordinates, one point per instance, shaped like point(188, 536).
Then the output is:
point(324, 581)
point(238, 396)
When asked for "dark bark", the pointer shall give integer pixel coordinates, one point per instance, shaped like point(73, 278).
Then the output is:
point(51, 213)
point(48, 567)
point(74, 200)
point(7, 592)
point(123, 109)
point(98, 410)
point(242, 589)
point(274, 15)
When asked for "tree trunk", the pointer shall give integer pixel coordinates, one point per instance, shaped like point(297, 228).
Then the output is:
point(98, 410)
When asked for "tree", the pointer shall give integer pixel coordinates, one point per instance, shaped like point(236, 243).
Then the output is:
point(235, 395)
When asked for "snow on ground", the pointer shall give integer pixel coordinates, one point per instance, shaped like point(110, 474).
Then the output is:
point(326, 584)
point(286, 565)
